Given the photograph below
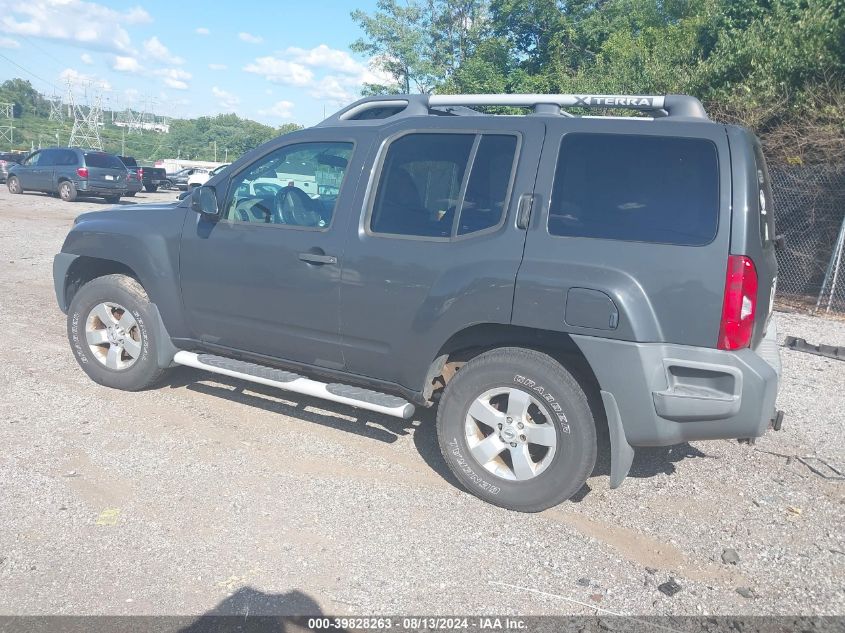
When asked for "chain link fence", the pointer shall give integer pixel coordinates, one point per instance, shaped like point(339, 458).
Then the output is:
point(809, 205)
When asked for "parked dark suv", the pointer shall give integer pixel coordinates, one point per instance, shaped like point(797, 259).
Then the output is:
point(533, 277)
point(70, 172)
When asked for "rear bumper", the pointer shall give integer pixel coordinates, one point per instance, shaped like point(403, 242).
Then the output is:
point(668, 394)
point(134, 185)
point(86, 188)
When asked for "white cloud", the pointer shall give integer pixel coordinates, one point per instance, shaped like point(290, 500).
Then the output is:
point(8, 42)
point(226, 100)
point(86, 59)
point(297, 66)
point(281, 71)
point(201, 30)
point(126, 64)
point(334, 89)
point(76, 22)
point(249, 37)
point(80, 80)
point(217, 66)
point(158, 51)
point(175, 78)
point(280, 109)
point(323, 56)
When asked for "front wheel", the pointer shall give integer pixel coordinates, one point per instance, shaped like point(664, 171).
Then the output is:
point(14, 185)
point(110, 330)
point(515, 428)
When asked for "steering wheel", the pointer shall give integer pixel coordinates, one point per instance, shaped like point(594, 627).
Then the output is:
point(295, 207)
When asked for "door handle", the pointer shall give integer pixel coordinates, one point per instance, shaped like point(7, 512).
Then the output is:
point(315, 258)
point(523, 210)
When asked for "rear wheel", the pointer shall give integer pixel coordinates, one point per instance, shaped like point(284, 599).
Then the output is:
point(151, 188)
point(108, 331)
point(515, 428)
point(14, 185)
point(131, 194)
point(112, 199)
point(67, 191)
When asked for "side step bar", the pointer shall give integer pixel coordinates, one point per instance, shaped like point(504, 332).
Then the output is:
point(289, 381)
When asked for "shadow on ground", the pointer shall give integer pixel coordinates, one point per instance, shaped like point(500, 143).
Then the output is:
point(367, 424)
point(251, 611)
point(648, 461)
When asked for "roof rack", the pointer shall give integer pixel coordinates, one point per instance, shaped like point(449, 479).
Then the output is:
point(375, 109)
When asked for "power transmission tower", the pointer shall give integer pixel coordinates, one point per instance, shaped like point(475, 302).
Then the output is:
point(86, 122)
point(57, 112)
point(7, 129)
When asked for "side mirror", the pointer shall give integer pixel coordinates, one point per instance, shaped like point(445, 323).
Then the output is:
point(204, 200)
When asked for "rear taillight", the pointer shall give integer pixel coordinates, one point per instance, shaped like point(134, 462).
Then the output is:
point(740, 303)
point(140, 173)
point(82, 172)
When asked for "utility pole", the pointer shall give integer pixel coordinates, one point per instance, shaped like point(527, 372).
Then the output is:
point(215, 150)
point(123, 141)
point(226, 160)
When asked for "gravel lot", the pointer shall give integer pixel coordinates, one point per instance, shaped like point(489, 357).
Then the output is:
point(208, 493)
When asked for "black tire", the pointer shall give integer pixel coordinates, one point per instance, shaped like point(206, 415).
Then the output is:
point(563, 403)
point(67, 191)
point(14, 185)
point(126, 292)
point(151, 188)
point(112, 199)
point(131, 194)
point(166, 184)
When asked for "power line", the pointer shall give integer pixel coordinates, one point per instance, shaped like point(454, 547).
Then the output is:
point(29, 72)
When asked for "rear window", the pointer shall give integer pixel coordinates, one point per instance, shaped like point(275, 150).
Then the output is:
point(101, 159)
point(636, 188)
point(128, 161)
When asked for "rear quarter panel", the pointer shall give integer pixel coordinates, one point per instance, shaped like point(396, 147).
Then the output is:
point(663, 292)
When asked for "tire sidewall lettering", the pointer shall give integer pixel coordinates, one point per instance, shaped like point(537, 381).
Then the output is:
point(463, 464)
point(78, 348)
point(551, 401)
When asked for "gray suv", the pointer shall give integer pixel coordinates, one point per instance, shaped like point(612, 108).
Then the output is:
point(70, 172)
point(537, 279)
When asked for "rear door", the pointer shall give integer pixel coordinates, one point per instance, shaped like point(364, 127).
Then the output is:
point(631, 234)
point(435, 248)
point(105, 171)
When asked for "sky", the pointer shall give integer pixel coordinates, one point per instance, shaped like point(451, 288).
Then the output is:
point(275, 62)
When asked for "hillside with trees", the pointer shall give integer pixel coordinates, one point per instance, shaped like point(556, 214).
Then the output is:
point(188, 138)
point(775, 66)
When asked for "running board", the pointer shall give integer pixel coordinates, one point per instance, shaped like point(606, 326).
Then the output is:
point(289, 381)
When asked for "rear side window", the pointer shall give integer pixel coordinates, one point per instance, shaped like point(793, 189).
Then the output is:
point(442, 185)
point(764, 190)
point(101, 159)
point(66, 157)
point(636, 188)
